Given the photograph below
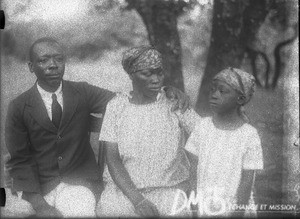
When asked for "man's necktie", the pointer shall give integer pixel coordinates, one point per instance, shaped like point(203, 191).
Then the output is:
point(56, 111)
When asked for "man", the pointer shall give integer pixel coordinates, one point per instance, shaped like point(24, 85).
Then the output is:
point(47, 137)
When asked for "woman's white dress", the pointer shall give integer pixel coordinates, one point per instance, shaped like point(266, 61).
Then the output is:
point(151, 145)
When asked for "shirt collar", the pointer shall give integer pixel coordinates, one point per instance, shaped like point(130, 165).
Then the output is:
point(45, 93)
point(159, 96)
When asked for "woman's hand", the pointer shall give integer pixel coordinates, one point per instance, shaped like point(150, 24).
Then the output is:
point(145, 208)
point(182, 100)
point(121, 177)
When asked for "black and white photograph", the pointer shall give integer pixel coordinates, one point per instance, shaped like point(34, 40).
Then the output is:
point(149, 108)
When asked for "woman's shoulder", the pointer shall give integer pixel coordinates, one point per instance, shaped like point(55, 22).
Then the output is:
point(118, 101)
point(119, 97)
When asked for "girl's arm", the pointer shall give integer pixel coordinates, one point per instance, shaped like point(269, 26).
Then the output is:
point(244, 189)
point(193, 159)
point(122, 179)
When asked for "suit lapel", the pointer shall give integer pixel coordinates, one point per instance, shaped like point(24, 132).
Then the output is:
point(70, 100)
point(39, 111)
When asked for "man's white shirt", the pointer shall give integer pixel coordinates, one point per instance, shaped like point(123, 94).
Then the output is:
point(47, 98)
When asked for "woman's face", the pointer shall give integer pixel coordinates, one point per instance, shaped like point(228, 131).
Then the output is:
point(148, 81)
point(223, 98)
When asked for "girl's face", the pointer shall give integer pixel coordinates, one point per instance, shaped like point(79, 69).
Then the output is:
point(148, 81)
point(223, 98)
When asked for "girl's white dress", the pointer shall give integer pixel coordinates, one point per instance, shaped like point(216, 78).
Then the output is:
point(222, 155)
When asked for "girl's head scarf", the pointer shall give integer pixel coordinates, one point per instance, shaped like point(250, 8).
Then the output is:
point(241, 81)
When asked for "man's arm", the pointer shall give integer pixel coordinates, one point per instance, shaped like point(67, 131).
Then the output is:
point(21, 164)
point(97, 97)
point(39, 204)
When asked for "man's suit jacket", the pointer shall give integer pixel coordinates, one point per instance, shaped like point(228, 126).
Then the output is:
point(42, 155)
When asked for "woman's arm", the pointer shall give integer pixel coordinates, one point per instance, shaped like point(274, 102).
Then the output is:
point(122, 179)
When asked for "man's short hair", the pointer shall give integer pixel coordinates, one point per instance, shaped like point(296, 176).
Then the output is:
point(40, 40)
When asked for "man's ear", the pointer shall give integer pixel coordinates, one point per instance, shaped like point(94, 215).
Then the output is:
point(241, 100)
point(30, 66)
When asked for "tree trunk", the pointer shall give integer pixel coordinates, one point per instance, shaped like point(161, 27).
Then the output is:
point(160, 19)
point(291, 179)
point(235, 24)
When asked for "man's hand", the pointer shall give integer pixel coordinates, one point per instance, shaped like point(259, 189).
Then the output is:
point(182, 100)
point(41, 207)
point(146, 209)
point(47, 211)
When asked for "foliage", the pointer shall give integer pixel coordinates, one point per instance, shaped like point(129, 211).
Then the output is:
point(235, 29)
point(160, 18)
point(89, 36)
point(195, 29)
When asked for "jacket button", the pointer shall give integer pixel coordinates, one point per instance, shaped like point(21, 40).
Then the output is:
point(60, 158)
point(58, 137)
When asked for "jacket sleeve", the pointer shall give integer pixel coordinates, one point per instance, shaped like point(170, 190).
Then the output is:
point(97, 98)
point(21, 165)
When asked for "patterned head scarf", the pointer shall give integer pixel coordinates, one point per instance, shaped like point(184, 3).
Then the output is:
point(241, 81)
point(140, 58)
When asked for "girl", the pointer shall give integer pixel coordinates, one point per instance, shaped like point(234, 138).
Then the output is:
point(228, 148)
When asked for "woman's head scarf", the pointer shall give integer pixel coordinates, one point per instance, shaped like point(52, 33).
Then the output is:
point(241, 81)
point(140, 58)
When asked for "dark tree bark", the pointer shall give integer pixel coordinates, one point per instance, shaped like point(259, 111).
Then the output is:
point(235, 24)
point(160, 19)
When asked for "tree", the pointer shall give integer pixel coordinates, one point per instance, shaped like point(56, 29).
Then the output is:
point(160, 19)
point(234, 28)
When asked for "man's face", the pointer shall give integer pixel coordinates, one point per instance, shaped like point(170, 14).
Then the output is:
point(48, 64)
point(148, 81)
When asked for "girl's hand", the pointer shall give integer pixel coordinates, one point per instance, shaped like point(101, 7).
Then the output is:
point(145, 208)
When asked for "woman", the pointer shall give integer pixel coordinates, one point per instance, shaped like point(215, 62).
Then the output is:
point(143, 141)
